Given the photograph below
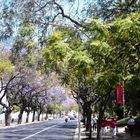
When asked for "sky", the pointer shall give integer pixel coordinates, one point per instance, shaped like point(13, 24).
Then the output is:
point(68, 8)
point(7, 43)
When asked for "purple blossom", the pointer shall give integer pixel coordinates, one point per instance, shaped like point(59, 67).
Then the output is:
point(68, 102)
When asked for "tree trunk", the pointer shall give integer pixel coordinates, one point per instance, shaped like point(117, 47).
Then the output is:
point(88, 116)
point(60, 114)
point(53, 115)
point(89, 123)
point(99, 135)
point(27, 117)
point(38, 117)
point(46, 117)
point(33, 119)
point(84, 118)
point(84, 115)
point(20, 116)
point(7, 117)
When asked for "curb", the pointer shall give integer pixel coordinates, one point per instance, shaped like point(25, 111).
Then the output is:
point(16, 125)
point(82, 130)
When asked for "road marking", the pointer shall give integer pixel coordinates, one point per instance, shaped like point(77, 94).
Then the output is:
point(38, 132)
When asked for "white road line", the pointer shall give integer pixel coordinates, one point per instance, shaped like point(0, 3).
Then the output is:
point(38, 132)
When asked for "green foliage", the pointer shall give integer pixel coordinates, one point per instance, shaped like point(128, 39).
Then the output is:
point(5, 68)
point(100, 52)
point(16, 108)
point(24, 46)
point(98, 56)
point(102, 60)
point(80, 63)
point(59, 50)
point(57, 36)
point(75, 107)
point(26, 30)
point(105, 81)
point(97, 29)
point(31, 45)
point(122, 122)
point(128, 29)
point(132, 95)
point(110, 9)
point(56, 107)
point(55, 55)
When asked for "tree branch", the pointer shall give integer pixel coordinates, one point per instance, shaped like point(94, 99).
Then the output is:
point(42, 7)
point(68, 17)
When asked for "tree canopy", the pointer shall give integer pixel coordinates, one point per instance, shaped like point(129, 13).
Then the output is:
point(88, 47)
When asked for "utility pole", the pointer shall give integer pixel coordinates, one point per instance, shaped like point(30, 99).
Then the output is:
point(79, 120)
point(123, 99)
point(79, 125)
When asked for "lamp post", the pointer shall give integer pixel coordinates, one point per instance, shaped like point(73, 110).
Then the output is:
point(123, 99)
point(79, 126)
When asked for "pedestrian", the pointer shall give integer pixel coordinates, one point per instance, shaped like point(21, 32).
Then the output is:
point(131, 124)
point(103, 126)
point(66, 119)
point(94, 123)
point(113, 125)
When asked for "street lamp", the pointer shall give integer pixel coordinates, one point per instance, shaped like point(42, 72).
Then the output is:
point(79, 126)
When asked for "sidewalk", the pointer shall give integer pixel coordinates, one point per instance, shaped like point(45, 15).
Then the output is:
point(14, 124)
point(83, 133)
point(121, 135)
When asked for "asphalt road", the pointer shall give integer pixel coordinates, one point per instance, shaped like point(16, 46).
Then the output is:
point(47, 130)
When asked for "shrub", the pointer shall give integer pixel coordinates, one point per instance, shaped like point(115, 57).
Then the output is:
point(122, 122)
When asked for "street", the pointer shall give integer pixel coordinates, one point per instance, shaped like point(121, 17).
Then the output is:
point(47, 130)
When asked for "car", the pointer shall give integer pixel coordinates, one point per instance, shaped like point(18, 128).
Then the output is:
point(50, 117)
point(72, 118)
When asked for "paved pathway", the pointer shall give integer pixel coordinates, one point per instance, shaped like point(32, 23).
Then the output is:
point(121, 135)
